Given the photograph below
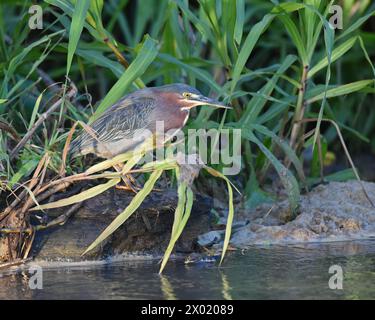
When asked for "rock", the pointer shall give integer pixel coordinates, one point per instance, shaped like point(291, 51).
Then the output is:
point(333, 212)
point(146, 232)
point(210, 238)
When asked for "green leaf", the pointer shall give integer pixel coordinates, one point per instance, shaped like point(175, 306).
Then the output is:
point(201, 25)
point(342, 90)
point(329, 36)
point(226, 32)
point(295, 36)
point(35, 110)
point(204, 29)
point(285, 146)
point(24, 170)
point(256, 104)
point(84, 195)
point(198, 73)
point(336, 54)
point(123, 216)
point(146, 55)
point(182, 214)
point(340, 176)
point(68, 8)
point(287, 7)
point(240, 19)
point(356, 25)
point(78, 20)
point(309, 22)
point(16, 61)
point(248, 47)
point(362, 44)
point(228, 227)
point(95, 10)
point(99, 59)
point(286, 177)
point(316, 163)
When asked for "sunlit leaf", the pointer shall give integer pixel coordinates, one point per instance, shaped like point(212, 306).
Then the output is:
point(336, 54)
point(84, 195)
point(342, 90)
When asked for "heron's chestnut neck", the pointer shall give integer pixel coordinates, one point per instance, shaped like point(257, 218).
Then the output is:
point(170, 110)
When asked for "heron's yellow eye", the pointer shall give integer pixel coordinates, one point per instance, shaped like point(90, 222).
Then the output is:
point(186, 95)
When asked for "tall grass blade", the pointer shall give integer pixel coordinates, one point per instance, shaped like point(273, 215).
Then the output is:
point(123, 216)
point(248, 46)
point(240, 21)
point(84, 195)
point(146, 55)
point(336, 54)
point(76, 27)
point(342, 90)
point(286, 177)
point(228, 227)
point(182, 214)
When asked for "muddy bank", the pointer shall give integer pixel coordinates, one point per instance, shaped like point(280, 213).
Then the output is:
point(146, 232)
point(333, 212)
point(336, 211)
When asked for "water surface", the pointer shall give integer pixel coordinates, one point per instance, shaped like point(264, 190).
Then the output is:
point(274, 272)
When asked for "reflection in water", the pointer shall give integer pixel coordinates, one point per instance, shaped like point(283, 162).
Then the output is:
point(274, 272)
point(167, 289)
point(15, 286)
point(226, 287)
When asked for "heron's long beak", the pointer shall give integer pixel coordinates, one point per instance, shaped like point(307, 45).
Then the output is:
point(201, 100)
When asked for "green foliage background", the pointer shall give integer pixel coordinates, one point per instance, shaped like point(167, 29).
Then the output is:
point(252, 54)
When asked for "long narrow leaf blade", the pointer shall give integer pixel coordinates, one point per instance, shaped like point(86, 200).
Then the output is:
point(146, 55)
point(123, 216)
point(342, 90)
point(182, 214)
point(78, 20)
point(228, 228)
point(248, 47)
point(84, 195)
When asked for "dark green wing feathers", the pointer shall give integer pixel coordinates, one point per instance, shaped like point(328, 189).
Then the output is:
point(116, 123)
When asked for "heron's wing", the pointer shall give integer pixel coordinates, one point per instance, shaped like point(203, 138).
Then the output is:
point(117, 122)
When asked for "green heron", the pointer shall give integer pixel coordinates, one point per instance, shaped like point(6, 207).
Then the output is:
point(120, 127)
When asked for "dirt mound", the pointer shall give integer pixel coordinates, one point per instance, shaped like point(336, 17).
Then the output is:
point(332, 212)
